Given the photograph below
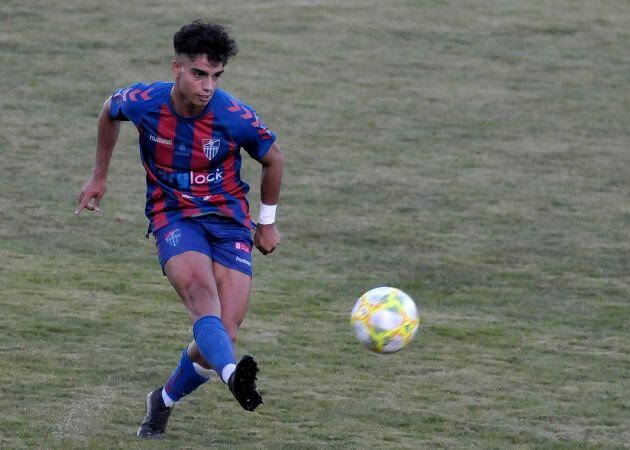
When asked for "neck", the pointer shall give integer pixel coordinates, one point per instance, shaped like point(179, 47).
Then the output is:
point(182, 106)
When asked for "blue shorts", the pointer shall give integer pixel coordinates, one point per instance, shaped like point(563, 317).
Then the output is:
point(224, 240)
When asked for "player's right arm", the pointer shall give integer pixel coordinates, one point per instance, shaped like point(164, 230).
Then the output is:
point(94, 189)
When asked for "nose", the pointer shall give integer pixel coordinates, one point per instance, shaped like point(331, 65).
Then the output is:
point(209, 85)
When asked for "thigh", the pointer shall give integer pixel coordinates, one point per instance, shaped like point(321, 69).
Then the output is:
point(230, 242)
point(191, 274)
point(180, 237)
point(234, 288)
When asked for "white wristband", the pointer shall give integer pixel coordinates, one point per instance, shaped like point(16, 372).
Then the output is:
point(267, 214)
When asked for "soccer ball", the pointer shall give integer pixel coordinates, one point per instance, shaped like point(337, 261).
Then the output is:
point(385, 319)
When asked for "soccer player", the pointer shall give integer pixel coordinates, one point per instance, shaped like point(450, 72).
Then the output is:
point(190, 137)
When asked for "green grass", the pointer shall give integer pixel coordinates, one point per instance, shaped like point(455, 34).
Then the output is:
point(474, 154)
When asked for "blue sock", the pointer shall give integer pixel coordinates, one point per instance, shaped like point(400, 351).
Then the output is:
point(214, 342)
point(184, 379)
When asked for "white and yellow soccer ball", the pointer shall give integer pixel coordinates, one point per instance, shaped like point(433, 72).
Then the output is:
point(385, 319)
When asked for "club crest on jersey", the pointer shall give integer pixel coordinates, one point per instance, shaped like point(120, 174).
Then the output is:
point(173, 237)
point(210, 147)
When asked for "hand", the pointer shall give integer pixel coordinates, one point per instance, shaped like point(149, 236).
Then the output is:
point(266, 238)
point(94, 189)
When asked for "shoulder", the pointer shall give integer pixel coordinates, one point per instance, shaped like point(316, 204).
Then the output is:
point(235, 113)
point(137, 98)
point(243, 123)
point(229, 106)
point(143, 93)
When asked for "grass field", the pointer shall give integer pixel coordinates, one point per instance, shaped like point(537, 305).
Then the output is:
point(473, 153)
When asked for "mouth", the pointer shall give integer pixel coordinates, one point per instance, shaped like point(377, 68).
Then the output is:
point(204, 98)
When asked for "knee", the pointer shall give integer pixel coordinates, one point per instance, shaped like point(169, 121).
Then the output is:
point(198, 293)
point(192, 285)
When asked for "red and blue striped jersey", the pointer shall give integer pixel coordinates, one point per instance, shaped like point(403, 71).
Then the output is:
point(192, 163)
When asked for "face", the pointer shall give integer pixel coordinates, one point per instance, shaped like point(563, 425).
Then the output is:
point(196, 79)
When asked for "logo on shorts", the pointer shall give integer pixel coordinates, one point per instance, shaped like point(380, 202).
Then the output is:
point(173, 237)
point(242, 246)
point(210, 147)
point(244, 261)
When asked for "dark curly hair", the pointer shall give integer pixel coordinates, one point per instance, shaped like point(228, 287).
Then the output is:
point(205, 38)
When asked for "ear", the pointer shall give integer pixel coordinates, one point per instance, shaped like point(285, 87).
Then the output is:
point(176, 68)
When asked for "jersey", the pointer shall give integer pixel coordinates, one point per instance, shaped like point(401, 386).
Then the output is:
point(192, 163)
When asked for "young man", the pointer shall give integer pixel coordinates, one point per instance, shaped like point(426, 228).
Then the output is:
point(190, 136)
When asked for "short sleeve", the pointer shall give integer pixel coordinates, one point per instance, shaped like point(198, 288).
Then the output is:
point(256, 138)
point(124, 105)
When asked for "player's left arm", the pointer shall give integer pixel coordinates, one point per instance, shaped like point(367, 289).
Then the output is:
point(267, 237)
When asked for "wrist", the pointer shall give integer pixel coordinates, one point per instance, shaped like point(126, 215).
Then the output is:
point(267, 214)
point(99, 176)
point(99, 171)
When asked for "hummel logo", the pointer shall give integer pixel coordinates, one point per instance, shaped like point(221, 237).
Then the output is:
point(160, 140)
